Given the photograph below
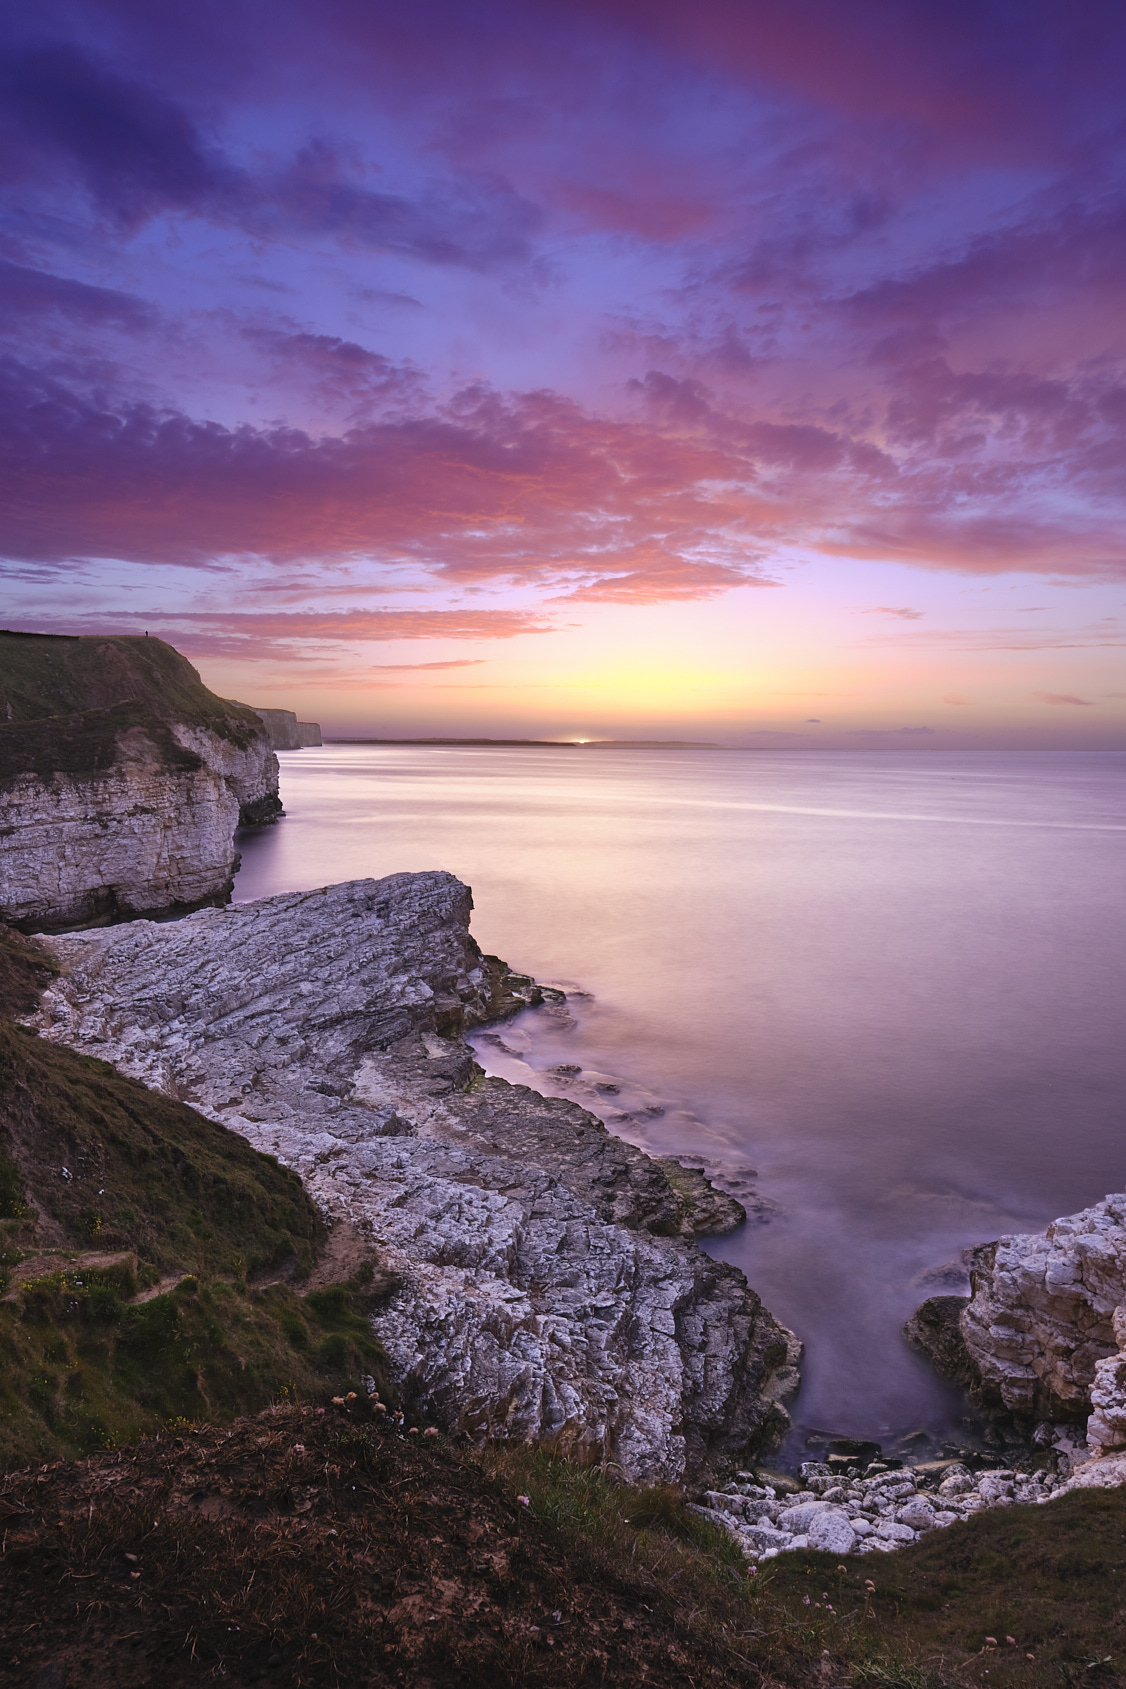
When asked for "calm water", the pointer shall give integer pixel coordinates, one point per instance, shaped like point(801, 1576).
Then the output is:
point(880, 993)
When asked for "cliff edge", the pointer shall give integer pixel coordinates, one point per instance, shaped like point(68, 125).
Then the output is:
point(542, 1290)
point(122, 781)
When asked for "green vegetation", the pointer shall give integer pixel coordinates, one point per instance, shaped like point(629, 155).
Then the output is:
point(158, 1283)
point(150, 1260)
point(88, 1363)
point(65, 702)
point(47, 675)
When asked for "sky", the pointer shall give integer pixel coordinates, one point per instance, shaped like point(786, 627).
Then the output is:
point(732, 371)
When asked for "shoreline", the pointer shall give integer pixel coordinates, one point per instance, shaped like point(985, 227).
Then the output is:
point(566, 1307)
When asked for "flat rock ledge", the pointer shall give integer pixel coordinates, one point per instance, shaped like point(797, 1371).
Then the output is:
point(539, 1285)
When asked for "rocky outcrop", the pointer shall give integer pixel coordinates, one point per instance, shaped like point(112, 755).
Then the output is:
point(1043, 1335)
point(539, 1294)
point(131, 841)
point(122, 782)
point(1041, 1316)
point(935, 1327)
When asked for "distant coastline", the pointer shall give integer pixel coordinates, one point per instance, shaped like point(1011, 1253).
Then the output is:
point(554, 744)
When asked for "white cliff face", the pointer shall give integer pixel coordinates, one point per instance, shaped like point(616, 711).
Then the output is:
point(134, 838)
point(1042, 1315)
point(251, 771)
point(140, 836)
point(539, 1293)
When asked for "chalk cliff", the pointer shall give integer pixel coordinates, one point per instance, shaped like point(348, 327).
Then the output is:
point(541, 1291)
point(1044, 1333)
point(285, 732)
point(122, 781)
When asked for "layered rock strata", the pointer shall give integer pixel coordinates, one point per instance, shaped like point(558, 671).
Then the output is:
point(540, 1289)
point(122, 782)
point(1043, 1334)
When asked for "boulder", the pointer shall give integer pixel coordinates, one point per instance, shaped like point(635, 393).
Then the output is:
point(798, 1518)
point(831, 1531)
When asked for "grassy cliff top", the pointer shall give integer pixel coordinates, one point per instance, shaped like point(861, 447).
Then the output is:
point(153, 1265)
point(45, 675)
point(64, 702)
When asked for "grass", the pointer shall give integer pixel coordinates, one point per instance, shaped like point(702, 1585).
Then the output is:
point(43, 675)
point(66, 702)
point(110, 1192)
point(101, 1160)
point(305, 1548)
point(84, 1367)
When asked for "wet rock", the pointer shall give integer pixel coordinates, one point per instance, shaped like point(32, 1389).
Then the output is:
point(705, 1211)
point(935, 1328)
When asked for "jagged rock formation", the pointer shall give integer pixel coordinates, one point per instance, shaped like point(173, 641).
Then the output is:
point(122, 781)
point(1043, 1334)
point(538, 1293)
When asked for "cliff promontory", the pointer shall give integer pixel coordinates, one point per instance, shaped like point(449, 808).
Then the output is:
point(122, 781)
point(543, 1289)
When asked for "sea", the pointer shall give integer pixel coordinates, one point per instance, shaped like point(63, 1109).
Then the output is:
point(879, 996)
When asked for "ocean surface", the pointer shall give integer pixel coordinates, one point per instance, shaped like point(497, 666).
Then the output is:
point(878, 995)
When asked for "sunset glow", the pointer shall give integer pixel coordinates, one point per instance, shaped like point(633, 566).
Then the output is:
point(733, 372)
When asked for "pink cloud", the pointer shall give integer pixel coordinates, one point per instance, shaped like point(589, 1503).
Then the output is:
point(1062, 698)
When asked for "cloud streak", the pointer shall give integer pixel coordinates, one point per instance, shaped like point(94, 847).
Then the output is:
point(588, 307)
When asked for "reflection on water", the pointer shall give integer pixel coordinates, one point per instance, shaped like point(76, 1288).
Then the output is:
point(880, 994)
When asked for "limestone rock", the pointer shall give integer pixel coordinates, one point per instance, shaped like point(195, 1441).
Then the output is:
point(122, 781)
point(886, 1511)
point(537, 1297)
point(1041, 1316)
point(1106, 1428)
point(890, 1530)
point(799, 1518)
point(705, 1211)
point(132, 841)
point(831, 1531)
point(284, 731)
